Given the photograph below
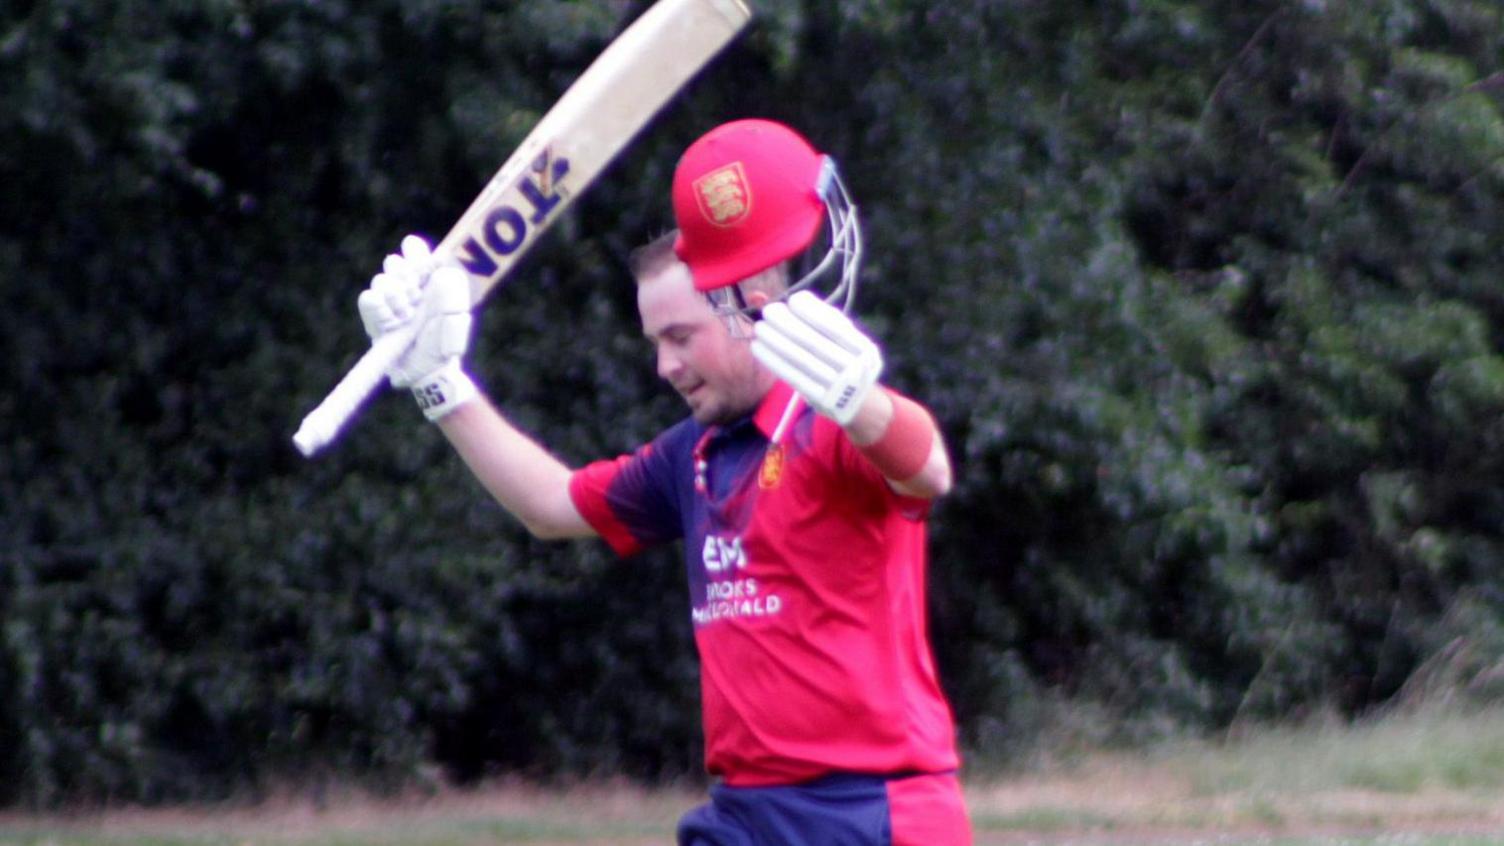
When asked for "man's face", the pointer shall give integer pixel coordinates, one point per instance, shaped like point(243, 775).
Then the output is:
point(715, 373)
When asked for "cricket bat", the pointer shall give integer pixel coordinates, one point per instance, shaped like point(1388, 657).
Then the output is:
point(596, 118)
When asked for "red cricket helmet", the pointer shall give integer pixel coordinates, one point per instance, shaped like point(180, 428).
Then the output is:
point(752, 193)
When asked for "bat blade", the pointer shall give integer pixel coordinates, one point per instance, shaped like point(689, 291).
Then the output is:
point(594, 120)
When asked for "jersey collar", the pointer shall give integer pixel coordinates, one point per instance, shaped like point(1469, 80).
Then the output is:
point(770, 410)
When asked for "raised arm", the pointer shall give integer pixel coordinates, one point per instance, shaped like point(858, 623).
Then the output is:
point(524, 478)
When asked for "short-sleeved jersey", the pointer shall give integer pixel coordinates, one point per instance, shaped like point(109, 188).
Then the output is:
point(807, 593)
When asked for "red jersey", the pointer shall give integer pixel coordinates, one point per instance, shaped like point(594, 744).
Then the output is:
point(807, 594)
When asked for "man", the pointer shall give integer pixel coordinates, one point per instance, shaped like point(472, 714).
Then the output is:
point(798, 485)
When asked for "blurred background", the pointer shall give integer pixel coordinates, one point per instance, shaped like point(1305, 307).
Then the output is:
point(1206, 296)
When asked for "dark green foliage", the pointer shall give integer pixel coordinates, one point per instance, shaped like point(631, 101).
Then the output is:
point(1205, 294)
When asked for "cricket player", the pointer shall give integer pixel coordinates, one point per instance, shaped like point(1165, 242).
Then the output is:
point(798, 484)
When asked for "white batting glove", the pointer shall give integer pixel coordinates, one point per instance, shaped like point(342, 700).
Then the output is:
point(413, 287)
point(820, 353)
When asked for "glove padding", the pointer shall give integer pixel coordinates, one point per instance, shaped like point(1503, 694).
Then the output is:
point(414, 287)
point(819, 352)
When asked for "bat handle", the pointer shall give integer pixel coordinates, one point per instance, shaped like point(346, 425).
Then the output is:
point(323, 424)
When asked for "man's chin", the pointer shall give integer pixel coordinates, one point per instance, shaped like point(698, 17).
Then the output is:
point(708, 413)
point(710, 407)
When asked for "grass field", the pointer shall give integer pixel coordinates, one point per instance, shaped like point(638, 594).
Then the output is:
point(1415, 780)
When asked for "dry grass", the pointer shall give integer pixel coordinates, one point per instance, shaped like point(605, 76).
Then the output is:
point(1424, 771)
point(498, 813)
point(1434, 779)
point(1130, 800)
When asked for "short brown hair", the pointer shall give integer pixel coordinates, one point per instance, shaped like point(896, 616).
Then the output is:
point(654, 257)
point(657, 255)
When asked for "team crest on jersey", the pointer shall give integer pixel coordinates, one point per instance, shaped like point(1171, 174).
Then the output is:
point(724, 195)
point(772, 467)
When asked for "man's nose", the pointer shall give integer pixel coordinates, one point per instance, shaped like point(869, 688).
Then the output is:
point(669, 363)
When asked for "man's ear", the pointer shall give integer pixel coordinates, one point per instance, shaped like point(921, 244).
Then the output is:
point(757, 299)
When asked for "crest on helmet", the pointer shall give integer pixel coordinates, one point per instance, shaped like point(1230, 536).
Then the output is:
point(724, 195)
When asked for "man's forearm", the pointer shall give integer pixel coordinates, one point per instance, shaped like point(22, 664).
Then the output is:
point(519, 473)
point(878, 421)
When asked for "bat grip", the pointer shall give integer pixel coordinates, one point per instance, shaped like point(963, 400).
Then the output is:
point(322, 425)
